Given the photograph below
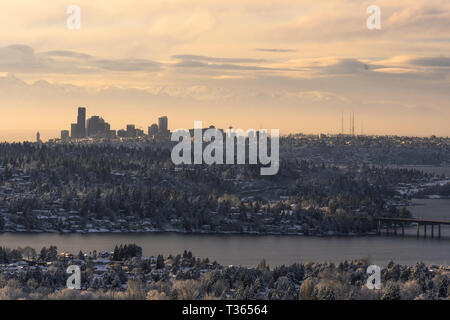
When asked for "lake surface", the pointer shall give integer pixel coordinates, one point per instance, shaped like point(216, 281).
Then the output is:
point(247, 250)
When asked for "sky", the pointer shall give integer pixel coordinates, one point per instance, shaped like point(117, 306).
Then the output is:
point(293, 65)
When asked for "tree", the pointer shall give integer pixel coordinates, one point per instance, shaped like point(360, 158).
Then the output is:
point(443, 287)
point(262, 266)
point(52, 253)
point(391, 292)
point(160, 262)
point(29, 252)
point(2, 223)
point(187, 289)
point(135, 290)
point(307, 290)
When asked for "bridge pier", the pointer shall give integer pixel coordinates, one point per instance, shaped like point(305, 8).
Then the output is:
point(396, 223)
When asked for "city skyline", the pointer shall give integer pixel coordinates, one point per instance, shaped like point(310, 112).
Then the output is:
point(96, 127)
point(283, 65)
point(347, 126)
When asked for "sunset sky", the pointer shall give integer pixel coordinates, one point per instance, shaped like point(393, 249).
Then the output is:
point(293, 65)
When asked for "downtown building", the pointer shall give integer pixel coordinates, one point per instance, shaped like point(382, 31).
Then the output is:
point(78, 130)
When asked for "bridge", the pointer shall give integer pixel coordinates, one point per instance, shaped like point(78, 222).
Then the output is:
point(395, 223)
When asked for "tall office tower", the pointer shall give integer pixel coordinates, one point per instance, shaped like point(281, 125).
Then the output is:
point(81, 122)
point(96, 126)
point(38, 137)
point(153, 130)
point(74, 130)
point(64, 135)
point(131, 130)
point(163, 124)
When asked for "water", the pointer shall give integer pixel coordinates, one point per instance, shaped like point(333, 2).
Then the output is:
point(247, 250)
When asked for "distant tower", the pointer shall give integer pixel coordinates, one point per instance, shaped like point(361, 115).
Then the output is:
point(353, 124)
point(350, 125)
point(81, 122)
point(153, 130)
point(38, 137)
point(65, 135)
point(342, 123)
point(131, 130)
point(163, 124)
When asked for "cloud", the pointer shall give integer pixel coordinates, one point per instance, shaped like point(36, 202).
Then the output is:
point(67, 53)
point(192, 57)
point(274, 50)
point(128, 65)
point(230, 64)
point(219, 66)
point(431, 62)
point(23, 59)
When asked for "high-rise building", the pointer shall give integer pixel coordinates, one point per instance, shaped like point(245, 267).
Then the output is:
point(139, 132)
point(96, 126)
point(78, 130)
point(153, 130)
point(163, 124)
point(74, 130)
point(38, 137)
point(81, 122)
point(131, 130)
point(64, 135)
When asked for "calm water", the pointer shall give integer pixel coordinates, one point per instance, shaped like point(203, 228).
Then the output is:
point(248, 250)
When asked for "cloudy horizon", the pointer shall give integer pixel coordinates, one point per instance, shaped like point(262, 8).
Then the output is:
point(292, 65)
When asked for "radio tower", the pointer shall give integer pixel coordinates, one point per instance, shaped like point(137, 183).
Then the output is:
point(353, 124)
point(350, 125)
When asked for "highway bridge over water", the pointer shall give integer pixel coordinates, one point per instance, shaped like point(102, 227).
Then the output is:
point(399, 223)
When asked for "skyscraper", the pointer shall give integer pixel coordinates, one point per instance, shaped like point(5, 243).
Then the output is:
point(131, 130)
point(153, 130)
point(64, 135)
point(97, 126)
point(74, 130)
point(163, 124)
point(81, 122)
